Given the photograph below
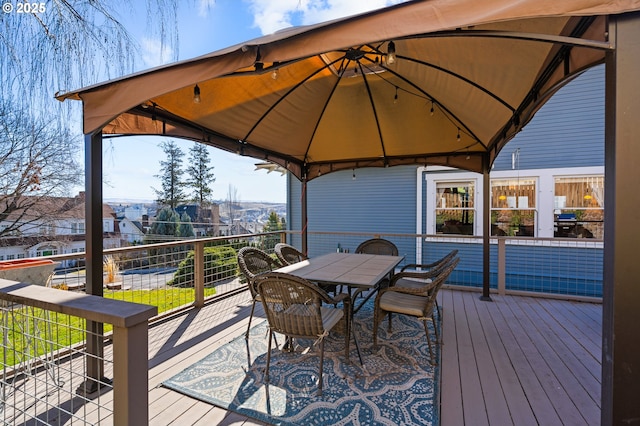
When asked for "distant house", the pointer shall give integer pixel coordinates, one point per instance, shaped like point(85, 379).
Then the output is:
point(205, 220)
point(61, 230)
point(131, 231)
point(238, 228)
point(135, 212)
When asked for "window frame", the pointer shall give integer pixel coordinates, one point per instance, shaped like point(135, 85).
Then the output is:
point(516, 226)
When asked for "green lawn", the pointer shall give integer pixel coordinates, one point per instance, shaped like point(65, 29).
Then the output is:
point(29, 328)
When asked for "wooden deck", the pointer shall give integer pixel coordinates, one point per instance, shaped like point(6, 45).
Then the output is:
point(512, 361)
point(516, 360)
point(520, 361)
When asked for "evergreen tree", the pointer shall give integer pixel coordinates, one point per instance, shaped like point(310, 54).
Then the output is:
point(200, 174)
point(273, 224)
point(172, 192)
point(185, 229)
point(165, 227)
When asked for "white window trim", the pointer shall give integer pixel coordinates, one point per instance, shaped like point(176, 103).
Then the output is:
point(430, 195)
point(545, 181)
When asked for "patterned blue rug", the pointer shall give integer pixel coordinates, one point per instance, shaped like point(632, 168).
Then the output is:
point(396, 386)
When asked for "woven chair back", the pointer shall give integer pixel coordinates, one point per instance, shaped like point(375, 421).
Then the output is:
point(253, 262)
point(292, 305)
point(288, 254)
point(378, 246)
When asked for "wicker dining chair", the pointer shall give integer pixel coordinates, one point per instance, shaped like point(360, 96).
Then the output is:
point(288, 254)
point(294, 307)
point(253, 262)
point(404, 278)
point(377, 246)
point(418, 302)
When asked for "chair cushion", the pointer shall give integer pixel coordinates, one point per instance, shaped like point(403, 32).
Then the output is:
point(401, 303)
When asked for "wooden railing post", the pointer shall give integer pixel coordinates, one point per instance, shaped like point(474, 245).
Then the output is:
point(198, 273)
point(131, 375)
point(502, 266)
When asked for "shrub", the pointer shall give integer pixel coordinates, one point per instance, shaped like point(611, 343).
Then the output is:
point(219, 263)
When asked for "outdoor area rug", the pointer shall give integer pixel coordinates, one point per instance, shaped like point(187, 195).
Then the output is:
point(396, 385)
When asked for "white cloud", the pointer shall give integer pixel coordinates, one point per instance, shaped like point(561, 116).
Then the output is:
point(273, 15)
point(154, 53)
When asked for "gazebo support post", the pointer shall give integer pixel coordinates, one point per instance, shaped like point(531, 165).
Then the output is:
point(303, 214)
point(621, 293)
point(93, 250)
point(486, 228)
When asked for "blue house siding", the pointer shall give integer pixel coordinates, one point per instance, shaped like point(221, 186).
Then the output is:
point(376, 201)
point(568, 131)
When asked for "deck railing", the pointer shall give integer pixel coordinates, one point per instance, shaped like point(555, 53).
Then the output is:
point(51, 370)
point(183, 274)
point(172, 276)
point(570, 268)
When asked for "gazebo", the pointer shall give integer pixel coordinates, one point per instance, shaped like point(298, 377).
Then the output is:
point(423, 82)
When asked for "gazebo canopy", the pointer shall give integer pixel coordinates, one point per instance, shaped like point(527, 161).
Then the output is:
point(467, 76)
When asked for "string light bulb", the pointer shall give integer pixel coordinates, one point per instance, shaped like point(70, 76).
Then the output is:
point(431, 111)
point(353, 176)
point(196, 95)
point(274, 74)
point(395, 98)
point(391, 53)
point(458, 136)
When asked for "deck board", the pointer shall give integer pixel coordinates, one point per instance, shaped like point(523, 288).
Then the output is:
point(473, 405)
point(572, 400)
point(517, 404)
point(450, 400)
point(492, 391)
point(546, 364)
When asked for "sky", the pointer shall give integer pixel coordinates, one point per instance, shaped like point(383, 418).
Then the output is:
point(130, 164)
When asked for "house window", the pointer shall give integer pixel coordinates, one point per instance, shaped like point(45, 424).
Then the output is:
point(513, 207)
point(47, 251)
point(455, 207)
point(21, 255)
point(579, 207)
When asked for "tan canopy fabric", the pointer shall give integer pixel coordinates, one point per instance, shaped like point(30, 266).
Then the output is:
point(467, 76)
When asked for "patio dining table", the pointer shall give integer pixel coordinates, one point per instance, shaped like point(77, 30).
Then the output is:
point(359, 272)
